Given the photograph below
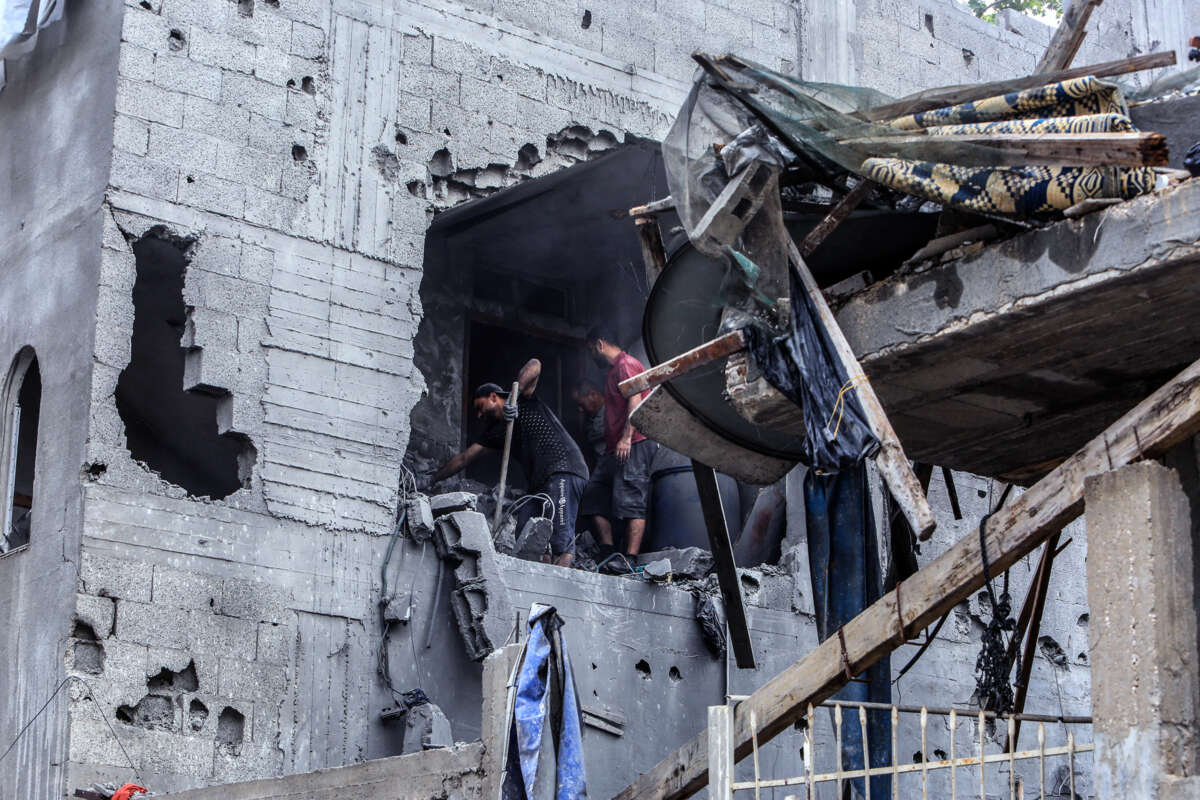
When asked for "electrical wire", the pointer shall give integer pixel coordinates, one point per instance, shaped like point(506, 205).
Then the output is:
point(90, 696)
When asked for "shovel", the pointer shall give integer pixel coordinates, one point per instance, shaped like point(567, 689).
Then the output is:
point(512, 397)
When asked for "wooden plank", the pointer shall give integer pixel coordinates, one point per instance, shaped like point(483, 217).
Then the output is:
point(722, 552)
point(653, 207)
point(653, 253)
point(1068, 36)
point(1164, 419)
point(893, 464)
point(835, 217)
point(1038, 591)
point(1133, 149)
point(969, 94)
point(720, 753)
point(684, 363)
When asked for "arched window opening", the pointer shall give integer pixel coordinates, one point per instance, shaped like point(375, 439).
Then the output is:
point(24, 400)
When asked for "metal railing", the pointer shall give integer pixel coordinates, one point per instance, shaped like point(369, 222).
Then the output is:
point(966, 773)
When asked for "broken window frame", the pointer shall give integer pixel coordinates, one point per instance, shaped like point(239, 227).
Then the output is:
point(10, 437)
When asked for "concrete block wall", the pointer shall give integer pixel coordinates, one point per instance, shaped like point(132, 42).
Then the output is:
point(287, 140)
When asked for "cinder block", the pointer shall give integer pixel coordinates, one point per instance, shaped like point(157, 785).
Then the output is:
point(111, 577)
point(220, 50)
point(145, 29)
point(144, 623)
point(211, 193)
point(245, 91)
point(136, 63)
point(225, 122)
point(254, 680)
point(187, 76)
point(186, 149)
point(149, 102)
point(184, 589)
point(254, 600)
point(308, 41)
point(215, 634)
point(131, 135)
point(98, 613)
point(274, 643)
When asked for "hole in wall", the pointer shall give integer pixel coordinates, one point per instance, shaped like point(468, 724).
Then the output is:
point(20, 427)
point(528, 156)
point(940, 754)
point(1052, 650)
point(968, 57)
point(299, 152)
point(401, 138)
point(146, 5)
point(643, 668)
point(246, 7)
point(291, 83)
point(674, 674)
point(152, 712)
point(231, 725)
point(171, 430)
point(168, 680)
point(272, 3)
point(308, 85)
point(197, 715)
point(87, 654)
point(587, 19)
point(929, 23)
point(176, 40)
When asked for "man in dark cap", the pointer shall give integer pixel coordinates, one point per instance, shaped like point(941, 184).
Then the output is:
point(552, 462)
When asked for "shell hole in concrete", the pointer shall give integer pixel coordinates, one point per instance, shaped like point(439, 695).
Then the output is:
point(246, 7)
point(170, 415)
point(643, 668)
point(22, 414)
point(587, 19)
point(299, 152)
point(525, 271)
point(308, 85)
point(176, 40)
point(153, 711)
point(231, 725)
point(168, 680)
point(197, 715)
point(674, 674)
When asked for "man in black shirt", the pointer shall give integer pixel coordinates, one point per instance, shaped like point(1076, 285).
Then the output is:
point(552, 462)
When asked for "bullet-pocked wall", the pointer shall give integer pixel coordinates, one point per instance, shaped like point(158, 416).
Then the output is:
point(291, 153)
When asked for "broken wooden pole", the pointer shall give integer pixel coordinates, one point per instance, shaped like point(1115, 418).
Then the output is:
point(684, 363)
point(1068, 36)
point(1130, 149)
point(835, 217)
point(722, 552)
point(653, 253)
point(1037, 596)
point(1164, 419)
point(893, 464)
point(969, 94)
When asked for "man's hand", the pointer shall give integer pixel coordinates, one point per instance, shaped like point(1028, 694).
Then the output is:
point(623, 448)
point(510, 410)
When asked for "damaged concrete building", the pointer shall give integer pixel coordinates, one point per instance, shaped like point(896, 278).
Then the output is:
point(259, 253)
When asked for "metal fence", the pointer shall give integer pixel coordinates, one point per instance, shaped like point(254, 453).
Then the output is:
point(964, 766)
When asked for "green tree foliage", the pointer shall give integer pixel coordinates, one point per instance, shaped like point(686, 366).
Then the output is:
point(987, 9)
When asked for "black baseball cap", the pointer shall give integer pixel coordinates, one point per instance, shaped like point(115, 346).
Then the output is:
point(489, 388)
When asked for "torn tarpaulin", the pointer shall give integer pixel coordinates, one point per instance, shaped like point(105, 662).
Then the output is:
point(801, 364)
point(20, 21)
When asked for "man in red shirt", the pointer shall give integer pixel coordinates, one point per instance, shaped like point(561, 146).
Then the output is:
point(620, 484)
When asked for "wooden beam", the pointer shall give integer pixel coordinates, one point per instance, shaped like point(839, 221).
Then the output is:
point(653, 252)
point(653, 207)
point(1038, 591)
point(835, 217)
point(722, 552)
point(893, 464)
point(1068, 36)
point(1133, 149)
point(720, 753)
point(969, 94)
point(1164, 419)
point(684, 363)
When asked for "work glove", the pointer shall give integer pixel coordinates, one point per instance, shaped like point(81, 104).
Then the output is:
point(510, 412)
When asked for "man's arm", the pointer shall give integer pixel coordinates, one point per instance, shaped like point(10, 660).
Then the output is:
point(625, 443)
point(527, 378)
point(459, 462)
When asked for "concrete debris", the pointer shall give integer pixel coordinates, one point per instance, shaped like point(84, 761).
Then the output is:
point(398, 608)
point(534, 540)
point(480, 601)
point(506, 536)
point(658, 570)
point(688, 563)
point(443, 504)
point(419, 519)
point(426, 728)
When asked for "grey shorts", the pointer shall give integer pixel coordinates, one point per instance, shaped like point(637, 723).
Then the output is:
point(620, 490)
